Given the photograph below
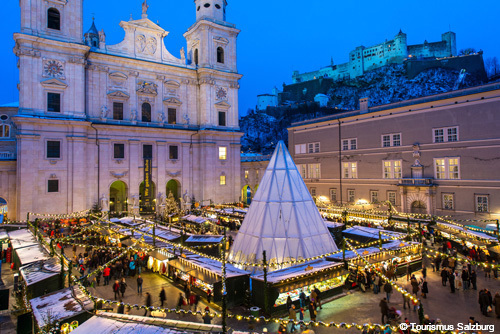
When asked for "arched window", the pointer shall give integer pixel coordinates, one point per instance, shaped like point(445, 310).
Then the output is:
point(53, 19)
point(196, 56)
point(220, 55)
point(146, 112)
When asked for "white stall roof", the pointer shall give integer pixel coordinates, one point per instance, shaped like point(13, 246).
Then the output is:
point(195, 219)
point(349, 254)
point(62, 304)
point(31, 254)
point(283, 219)
point(213, 266)
point(330, 224)
point(111, 323)
point(4, 235)
point(205, 238)
point(301, 269)
point(38, 271)
point(464, 230)
point(369, 232)
point(22, 238)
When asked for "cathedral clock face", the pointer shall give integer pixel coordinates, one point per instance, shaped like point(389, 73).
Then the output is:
point(53, 68)
point(221, 93)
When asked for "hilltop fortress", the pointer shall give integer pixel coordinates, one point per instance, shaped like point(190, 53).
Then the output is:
point(395, 51)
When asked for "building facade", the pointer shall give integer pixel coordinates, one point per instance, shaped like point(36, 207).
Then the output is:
point(394, 51)
point(253, 167)
point(435, 155)
point(123, 125)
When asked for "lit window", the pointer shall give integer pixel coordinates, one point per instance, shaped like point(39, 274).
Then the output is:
point(4, 131)
point(448, 202)
point(246, 174)
point(392, 169)
point(314, 171)
point(222, 153)
point(447, 168)
point(222, 180)
point(446, 134)
point(302, 170)
point(350, 170)
point(482, 203)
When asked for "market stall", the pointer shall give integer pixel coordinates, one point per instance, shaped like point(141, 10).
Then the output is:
point(22, 238)
point(30, 254)
point(460, 236)
point(367, 234)
point(65, 306)
point(328, 277)
point(41, 277)
point(204, 275)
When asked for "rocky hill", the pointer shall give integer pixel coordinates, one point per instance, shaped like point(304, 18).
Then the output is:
point(385, 85)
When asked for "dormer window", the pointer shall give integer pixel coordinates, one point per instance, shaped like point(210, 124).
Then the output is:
point(53, 19)
point(220, 55)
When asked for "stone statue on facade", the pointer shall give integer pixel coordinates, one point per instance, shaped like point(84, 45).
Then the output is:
point(183, 54)
point(104, 203)
point(145, 9)
point(135, 201)
point(133, 115)
point(161, 117)
point(186, 119)
point(102, 36)
point(104, 112)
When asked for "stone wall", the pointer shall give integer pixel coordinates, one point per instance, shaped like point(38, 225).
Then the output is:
point(473, 64)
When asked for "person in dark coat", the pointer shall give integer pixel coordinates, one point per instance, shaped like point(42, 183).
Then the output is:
point(437, 262)
point(425, 289)
point(384, 309)
point(207, 319)
point(288, 302)
point(312, 311)
point(388, 291)
point(121, 308)
point(451, 278)
point(496, 302)
point(123, 287)
point(465, 279)
point(302, 298)
point(149, 302)
point(163, 296)
point(139, 284)
point(483, 302)
point(444, 276)
point(180, 302)
point(473, 279)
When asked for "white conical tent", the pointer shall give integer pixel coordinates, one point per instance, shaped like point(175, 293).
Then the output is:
point(283, 219)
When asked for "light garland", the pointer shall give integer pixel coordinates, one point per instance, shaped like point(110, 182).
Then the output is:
point(78, 214)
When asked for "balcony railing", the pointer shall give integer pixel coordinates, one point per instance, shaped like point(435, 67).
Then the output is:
point(417, 182)
point(7, 156)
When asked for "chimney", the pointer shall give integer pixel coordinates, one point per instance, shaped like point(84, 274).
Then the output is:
point(363, 105)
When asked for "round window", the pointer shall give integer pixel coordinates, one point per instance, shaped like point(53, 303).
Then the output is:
point(4, 117)
point(207, 5)
point(217, 6)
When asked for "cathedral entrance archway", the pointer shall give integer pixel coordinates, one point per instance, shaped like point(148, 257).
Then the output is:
point(147, 201)
point(174, 187)
point(246, 195)
point(418, 207)
point(118, 194)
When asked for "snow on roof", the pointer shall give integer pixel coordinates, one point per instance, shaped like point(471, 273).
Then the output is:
point(370, 232)
point(349, 254)
point(213, 266)
point(283, 219)
point(111, 323)
point(161, 232)
point(60, 305)
point(22, 238)
point(38, 271)
point(31, 254)
point(396, 244)
point(195, 219)
point(333, 224)
point(470, 232)
point(4, 235)
point(205, 238)
point(294, 271)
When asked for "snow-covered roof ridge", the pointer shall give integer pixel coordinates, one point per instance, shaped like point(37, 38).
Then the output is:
point(283, 219)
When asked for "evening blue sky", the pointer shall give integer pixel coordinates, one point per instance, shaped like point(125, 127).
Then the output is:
point(279, 36)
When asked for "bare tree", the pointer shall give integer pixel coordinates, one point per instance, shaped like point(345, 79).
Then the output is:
point(467, 51)
point(492, 66)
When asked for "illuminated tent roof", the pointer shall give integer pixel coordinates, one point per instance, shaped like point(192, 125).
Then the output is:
point(283, 219)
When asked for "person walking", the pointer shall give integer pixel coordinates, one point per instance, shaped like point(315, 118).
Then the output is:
point(180, 301)
point(384, 309)
point(451, 279)
point(473, 279)
point(139, 284)
point(318, 297)
point(483, 302)
point(444, 276)
point(496, 302)
point(123, 287)
point(163, 296)
point(414, 285)
point(288, 302)
point(209, 295)
point(149, 302)
point(207, 318)
point(116, 289)
point(465, 279)
point(105, 273)
point(425, 289)
point(312, 297)
point(312, 311)
point(487, 270)
point(196, 301)
point(376, 282)
point(292, 316)
point(388, 291)
point(437, 262)
point(302, 298)
point(406, 301)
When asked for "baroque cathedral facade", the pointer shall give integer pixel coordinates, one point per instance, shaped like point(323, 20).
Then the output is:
point(122, 125)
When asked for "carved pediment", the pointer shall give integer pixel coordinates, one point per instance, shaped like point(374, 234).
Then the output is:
point(118, 93)
point(119, 175)
point(221, 40)
point(54, 83)
point(119, 76)
point(174, 174)
point(172, 84)
point(172, 100)
point(223, 104)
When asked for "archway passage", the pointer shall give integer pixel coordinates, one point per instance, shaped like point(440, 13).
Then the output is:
point(418, 207)
point(3, 209)
point(174, 187)
point(146, 201)
point(246, 195)
point(118, 194)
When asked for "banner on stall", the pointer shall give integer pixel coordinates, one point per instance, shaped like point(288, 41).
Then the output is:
point(147, 195)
